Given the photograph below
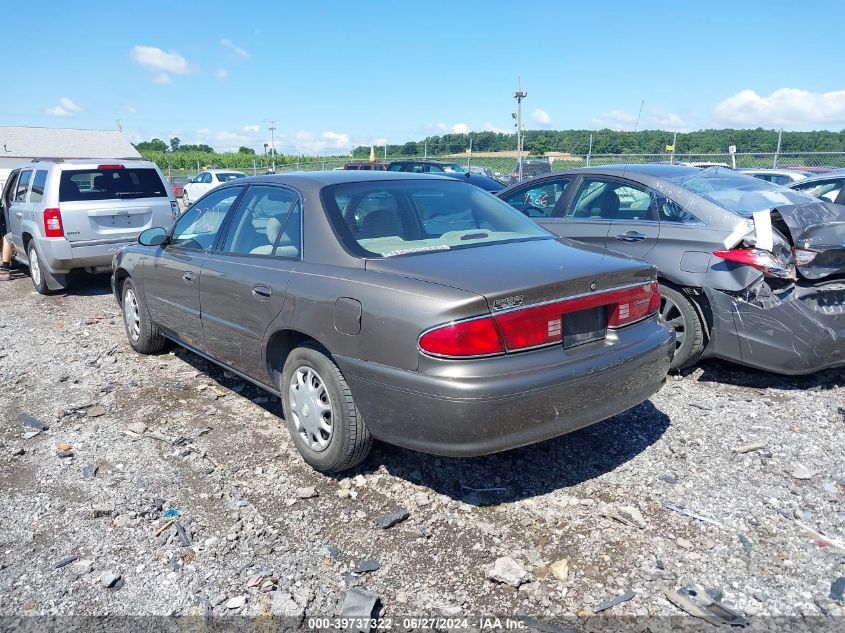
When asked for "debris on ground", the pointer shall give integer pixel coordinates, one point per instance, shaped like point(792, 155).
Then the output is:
point(30, 421)
point(612, 602)
point(507, 571)
point(705, 604)
point(674, 507)
point(560, 569)
point(392, 518)
point(358, 603)
point(627, 515)
point(750, 448)
point(837, 590)
point(800, 471)
point(366, 565)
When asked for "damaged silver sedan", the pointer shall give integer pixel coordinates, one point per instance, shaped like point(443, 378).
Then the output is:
point(749, 271)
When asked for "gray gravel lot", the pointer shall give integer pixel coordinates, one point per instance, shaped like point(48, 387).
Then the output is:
point(259, 532)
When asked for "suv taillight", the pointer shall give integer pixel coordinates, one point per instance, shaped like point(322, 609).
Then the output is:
point(53, 223)
point(537, 326)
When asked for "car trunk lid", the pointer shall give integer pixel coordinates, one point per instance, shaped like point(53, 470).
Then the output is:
point(817, 233)
point(113, 220)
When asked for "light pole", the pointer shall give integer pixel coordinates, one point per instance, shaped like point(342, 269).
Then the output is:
point(272, 129)
point(519, 95)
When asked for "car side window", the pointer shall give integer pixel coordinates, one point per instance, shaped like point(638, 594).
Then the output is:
point(827, 190)
point(199, 225)
point(608, 199)
point(37, 192)
point(539, 201)
point(11, 187)
point(670, 211)
point(266, 223)
point(23, 185)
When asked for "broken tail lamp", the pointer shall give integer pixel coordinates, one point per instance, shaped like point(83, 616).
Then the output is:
point(764, 261)
point(531, 327)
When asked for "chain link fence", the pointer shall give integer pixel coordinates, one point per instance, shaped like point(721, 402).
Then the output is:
point(505, 168)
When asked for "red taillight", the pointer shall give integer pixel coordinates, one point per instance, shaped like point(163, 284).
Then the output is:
point(762, 260)
point(537, 326)
point(53, 223)
point(478, 337)
point(110, 167)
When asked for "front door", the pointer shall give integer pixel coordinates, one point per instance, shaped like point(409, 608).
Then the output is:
point(244, 281)
point(18, 208)
point(172, 275)
point(9, 217)
point(543, 201)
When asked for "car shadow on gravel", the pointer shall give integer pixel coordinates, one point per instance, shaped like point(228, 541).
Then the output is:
point(533, 470)
point(84, 284)
point(728, 373)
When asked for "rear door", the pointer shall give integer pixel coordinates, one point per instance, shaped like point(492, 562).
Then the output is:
point(636, 227)
point(172, 275)
point(244, 281)
point(112, 203)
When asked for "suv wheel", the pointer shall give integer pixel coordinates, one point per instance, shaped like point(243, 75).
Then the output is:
point(144, 335)
point(321, 416)
point(36, 271)
point(679, 312)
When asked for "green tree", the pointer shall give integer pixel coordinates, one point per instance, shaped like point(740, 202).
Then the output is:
point(243, 149)
point(155, 145)
point(175, 142)
point(539, 146)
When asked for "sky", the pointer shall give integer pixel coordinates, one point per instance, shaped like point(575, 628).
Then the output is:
point(333, 75)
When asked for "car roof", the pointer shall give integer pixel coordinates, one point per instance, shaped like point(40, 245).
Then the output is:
point(335, 177)
point(223, 171)
point(425, 161)
point(647, 169)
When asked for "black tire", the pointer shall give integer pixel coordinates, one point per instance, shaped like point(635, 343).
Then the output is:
point(36, 270)
point(349, 441)
point(144, 335)
point(683, 316)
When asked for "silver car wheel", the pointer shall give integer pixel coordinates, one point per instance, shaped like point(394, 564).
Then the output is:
point(131, 314)
point(34, 267)
point(674, 317)
point(311, 408)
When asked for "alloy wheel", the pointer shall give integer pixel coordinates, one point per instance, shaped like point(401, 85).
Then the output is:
point(132, 314)
point(311, 408)
point(674, 317)
point(34, 267)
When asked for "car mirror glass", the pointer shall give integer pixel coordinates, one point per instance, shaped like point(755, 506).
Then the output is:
point(156, 236)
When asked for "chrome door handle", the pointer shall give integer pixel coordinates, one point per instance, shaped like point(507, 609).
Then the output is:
point(188, 277)
point(631, 236)
point(19, 214)
point(262, 292)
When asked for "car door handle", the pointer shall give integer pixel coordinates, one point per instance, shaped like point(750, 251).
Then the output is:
point(19, 214)
point(188, 277)
point(262, 292)
point(631, 236)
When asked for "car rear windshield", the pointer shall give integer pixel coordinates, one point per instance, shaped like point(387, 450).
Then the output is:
point(391, 218)
point(108, 184)
point(739, 193)
point(227, 176)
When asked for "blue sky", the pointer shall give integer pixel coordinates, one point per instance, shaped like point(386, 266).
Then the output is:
point(337, 74)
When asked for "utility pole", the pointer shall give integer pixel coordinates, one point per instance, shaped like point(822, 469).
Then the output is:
point(590, 149)
point(385, 151)
point(119, 125)
point(425, 150)
point(674, 142)
point(469, 156)
point(272, 129)
point(519, 95)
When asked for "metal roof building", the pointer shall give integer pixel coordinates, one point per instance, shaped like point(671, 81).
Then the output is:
point(18, 144)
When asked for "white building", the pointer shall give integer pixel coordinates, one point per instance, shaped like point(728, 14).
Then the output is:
point(21, 144)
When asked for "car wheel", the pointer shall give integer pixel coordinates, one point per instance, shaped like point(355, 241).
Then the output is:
point(36, 269)
point(321, 416)
point(679, 312)
point(144, 335)
point(185, 199)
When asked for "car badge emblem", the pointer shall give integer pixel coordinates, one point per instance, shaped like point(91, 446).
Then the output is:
point(508, 302)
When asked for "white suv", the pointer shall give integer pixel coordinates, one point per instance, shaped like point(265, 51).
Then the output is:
point(69, 214)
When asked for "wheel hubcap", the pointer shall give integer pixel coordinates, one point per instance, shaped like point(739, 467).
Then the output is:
point(311, 408)
point(34, 268)
point(674, 317)
point(131, 314)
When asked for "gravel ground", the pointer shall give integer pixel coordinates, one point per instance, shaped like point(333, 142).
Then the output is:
point(184, 495)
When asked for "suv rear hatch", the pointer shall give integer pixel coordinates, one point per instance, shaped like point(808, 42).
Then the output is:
point(112, 203)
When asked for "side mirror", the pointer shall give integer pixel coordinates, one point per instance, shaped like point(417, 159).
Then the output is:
point(155, 236)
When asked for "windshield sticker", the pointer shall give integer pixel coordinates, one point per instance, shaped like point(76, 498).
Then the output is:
point(418, 249)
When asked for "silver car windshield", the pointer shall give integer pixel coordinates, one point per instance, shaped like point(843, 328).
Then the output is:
point(405, 217)
point(739, 193)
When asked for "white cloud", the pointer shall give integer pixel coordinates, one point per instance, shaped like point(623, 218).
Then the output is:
point(130, 108)
point(251, 128)
point(221, 73)
point(489, 127)
point(156, 59)
point(328, 141)
point(460, 128)
point(442, 128)
point(789, 107)
point(163, 79)
point(237, 50)
point(541, 118)
point(65, 107)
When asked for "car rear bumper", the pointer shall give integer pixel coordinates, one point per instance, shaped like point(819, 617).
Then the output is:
point(61, 256)
point(800, 333)
point(476, 407)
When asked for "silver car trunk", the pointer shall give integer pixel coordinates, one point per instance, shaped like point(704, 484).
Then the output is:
point(113, 220)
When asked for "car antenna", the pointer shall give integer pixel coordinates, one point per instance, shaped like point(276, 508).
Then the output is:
point(636, 126)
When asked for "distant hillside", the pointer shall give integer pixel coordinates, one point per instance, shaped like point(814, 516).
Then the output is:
point(613, 142)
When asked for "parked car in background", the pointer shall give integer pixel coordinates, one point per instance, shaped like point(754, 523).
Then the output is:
point(531, 167)
point(207, 180)
point(827, 187)
point(499, 335)
point(451, 170)
point(777, 176)
point(177, 183)
point(748, 269)
point(813, 170)
point(365, 165)
point(64, 215)
point(706, 164)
